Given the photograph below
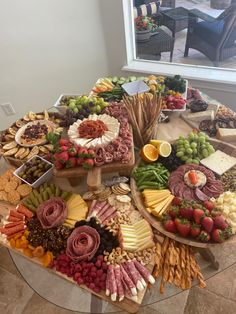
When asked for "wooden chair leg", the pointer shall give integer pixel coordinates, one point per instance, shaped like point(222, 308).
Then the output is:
point(209, 256)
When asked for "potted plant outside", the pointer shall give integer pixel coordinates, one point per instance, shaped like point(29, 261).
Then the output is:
point(143, 27)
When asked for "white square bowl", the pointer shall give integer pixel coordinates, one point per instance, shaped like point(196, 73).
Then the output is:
point(62, 109)
point(45, 177)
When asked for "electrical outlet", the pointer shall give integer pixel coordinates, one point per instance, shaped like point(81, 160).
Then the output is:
point(8, 109)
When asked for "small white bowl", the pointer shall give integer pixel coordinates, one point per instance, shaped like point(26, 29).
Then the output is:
point(62, 109)
point(45, 177)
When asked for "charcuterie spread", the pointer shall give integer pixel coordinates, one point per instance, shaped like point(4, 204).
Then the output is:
point(131, 230)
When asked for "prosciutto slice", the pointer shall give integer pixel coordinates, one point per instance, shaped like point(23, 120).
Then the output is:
point(52, 213)
point(83, 244)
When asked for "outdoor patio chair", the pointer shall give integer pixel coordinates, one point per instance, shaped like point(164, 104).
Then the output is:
point(214, 37)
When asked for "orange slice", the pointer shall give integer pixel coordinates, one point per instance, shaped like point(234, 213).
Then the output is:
point(149, 153)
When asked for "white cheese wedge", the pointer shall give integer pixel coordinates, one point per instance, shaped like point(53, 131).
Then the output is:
point(228, 135)
point(199, 116)
point(219, 162)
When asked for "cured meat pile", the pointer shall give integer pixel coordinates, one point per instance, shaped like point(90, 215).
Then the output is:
point(212, 188)
point(52, 213)
point(102, 210)
point(83, 244)
point(16, 221)
point(92, 129)
point(124, 279)
point(118, 149)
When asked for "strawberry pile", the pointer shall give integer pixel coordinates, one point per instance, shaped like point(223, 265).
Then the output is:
point(202, 222)
point(173, 102)
point(69, 155)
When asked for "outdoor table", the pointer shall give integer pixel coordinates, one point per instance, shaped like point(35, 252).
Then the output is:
point(175, 19)
point(158, 43)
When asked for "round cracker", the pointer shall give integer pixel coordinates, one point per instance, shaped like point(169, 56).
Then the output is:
point(13, 197)
point(3, 182)
point(24, 190)
point(100, 190)
point(15, 179)
point(3, 196)
point(88, 196)
point(112, 199)
point(10, 186)
point(123, 198)
point(124, 187)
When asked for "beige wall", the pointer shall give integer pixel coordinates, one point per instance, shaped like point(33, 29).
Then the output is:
point(48, 47)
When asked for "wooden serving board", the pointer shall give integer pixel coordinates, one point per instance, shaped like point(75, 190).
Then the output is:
point(94, 175)
point(127, 304)
point(138, 199)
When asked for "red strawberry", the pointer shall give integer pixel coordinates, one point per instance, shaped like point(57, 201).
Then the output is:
point(209, 205)
point(204, 236)
point(63, 148)
point(82, 152)
point(218, 235)
point(72, 151)
point(71, 162)
point(63, 142)
point(228, 232)
point(176, 201)
point(198, 214)
point(88, 163)
point(62, 157)
point(91, 153)
point(195, 230)
point(80, 161)
point(183, 226)
point(58, 165)
point(207, 224)
point(173, 211)
point(169, 225)
point(220, 222)
point(186, 212)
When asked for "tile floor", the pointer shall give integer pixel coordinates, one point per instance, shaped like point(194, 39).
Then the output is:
point(16, 297)
point(195, 57)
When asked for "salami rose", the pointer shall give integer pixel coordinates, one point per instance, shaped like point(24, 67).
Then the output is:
point(52, 213)
point(83, 244)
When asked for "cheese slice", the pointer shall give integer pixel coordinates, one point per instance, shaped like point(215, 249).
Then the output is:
point(158, 208)
point(219, 162)
point(228, 135)
point(202, 115)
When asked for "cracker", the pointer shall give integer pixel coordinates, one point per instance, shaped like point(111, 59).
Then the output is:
point(15, 179)
point(124, 187)
point(123, 198)
point(10, 186)
point(3, 196)
point(100, 190)
point(13, 197)
point(9, 173)
point(88, 196)
point(112, 199)
point(3, 182)
point(11, 152)
point(24, 190)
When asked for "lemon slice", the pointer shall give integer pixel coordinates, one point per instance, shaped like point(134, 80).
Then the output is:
point(149, 153)
point(165, 149)
point(156, 143)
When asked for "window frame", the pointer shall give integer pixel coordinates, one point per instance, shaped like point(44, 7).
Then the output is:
point(191, 72)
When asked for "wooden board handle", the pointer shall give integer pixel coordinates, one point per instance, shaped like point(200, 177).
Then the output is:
point(94, 178)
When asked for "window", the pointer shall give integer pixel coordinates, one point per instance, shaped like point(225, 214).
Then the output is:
point(164, 52)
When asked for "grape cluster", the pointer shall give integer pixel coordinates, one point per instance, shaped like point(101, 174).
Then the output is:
point(194, 148)
point(172, 162)
point(107, 240)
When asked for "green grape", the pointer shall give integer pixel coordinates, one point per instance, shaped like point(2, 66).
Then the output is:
point(205, 152)
point(180, 142)
point(184, 158)
point(189, 151)
point(179, 154)
point(201, 139)
point(191, 136)
point(76, 110)
point(195, 161)
point(201, 134)
point(193, 145)
point(79, 107)
point(195, 151)
point(189, 161)
point(211, 149)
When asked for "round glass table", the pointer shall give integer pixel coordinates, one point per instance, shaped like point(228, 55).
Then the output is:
point(70, 296)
